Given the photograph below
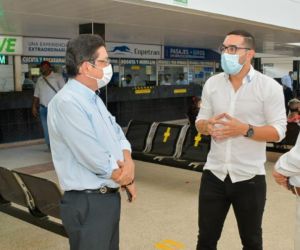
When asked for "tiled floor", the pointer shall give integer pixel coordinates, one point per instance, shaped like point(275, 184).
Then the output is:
point(165, 213)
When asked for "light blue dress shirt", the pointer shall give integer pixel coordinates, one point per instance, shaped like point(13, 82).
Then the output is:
point(86, 142)
point(287, 81)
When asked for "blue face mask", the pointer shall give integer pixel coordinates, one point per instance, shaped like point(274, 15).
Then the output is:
point(230, 64)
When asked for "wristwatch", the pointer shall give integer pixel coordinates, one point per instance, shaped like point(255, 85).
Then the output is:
point(250, 131)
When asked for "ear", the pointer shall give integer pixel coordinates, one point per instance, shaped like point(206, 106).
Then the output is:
point(84, 68)
point(250, 54)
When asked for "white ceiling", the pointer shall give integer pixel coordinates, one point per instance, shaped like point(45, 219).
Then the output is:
point(134, 22)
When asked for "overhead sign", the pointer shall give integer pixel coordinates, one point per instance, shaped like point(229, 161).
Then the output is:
point(39, 59)
point(126, 50)
point(190, 53)
point(172, 62)
point(137, 62)
point(183, 2)
point(10, 45)
point(44, 46)
point(3, 59)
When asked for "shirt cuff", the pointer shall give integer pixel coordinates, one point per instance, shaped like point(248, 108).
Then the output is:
point(198, 118)
point(280, 132)
point(280, 170)
point(125, 145)
point(112, 166)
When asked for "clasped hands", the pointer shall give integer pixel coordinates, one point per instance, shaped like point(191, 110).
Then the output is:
point(223, 126)
point(124, 176)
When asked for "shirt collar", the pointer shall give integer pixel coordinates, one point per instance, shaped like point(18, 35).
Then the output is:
point(248, 77)
point(82, 89)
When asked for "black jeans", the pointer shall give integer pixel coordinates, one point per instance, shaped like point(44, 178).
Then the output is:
point(248, 201)
point(91, 220)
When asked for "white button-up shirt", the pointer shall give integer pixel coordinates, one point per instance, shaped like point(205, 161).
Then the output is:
point(259, 102)
point(289, 164)
point(44, 92)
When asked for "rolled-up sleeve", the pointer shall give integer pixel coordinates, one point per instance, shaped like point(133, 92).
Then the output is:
point(37, 89)
point(275, 110)
point(125, 144)
point(60, 81)
point(289, 163)
point(205, 111)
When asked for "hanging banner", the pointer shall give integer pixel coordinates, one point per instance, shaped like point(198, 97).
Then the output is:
point(39, 59)
point(44, 46)
point(10, 45)
point(190, 53)
point(129, 50)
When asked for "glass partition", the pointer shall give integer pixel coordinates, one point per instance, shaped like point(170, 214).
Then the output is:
point(134, 73)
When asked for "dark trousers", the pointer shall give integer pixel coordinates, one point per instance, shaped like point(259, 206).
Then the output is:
point(43, 117)
point(248, 201)
point(91, 220)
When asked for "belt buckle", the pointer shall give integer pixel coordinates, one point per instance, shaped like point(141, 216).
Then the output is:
point(103, 190)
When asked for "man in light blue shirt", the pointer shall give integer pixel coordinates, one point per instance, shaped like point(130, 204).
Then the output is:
point(287, 80)
point(91, 155)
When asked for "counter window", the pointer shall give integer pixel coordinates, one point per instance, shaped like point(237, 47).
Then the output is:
point(134, 73)
point(199, 73)
point(173, 73)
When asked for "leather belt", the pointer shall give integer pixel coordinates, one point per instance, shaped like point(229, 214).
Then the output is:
point(295, 190)
point(101, 190)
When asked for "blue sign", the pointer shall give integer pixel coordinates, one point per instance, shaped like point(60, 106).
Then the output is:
point(191, 53)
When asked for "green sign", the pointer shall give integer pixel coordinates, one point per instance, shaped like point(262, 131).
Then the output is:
point(10, 45)
point(3, 59)
point(182, 2)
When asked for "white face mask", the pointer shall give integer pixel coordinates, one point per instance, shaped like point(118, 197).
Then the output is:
point(107, 75)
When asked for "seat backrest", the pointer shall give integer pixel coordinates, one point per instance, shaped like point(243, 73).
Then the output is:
point(291, 135)
point(137, 134)
point(165, 139)
point(45, 194)
point(10, 189)
point(195, 147)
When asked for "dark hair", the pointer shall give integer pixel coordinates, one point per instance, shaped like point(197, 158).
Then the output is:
point(81, 49)
point(249, 39)
point(45, 63)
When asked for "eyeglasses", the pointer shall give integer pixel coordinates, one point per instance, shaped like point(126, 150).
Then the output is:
point(104, 62)
point(231, 49)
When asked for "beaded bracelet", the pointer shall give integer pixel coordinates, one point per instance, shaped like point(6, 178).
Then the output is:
point(128, 184)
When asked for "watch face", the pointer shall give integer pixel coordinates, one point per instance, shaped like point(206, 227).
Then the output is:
point(250, 132)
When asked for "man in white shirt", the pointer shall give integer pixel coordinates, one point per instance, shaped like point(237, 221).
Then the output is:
point(48, 84)
point(241, 109)
point(166, 80)
point(287, 80)
point(287, 174)
point(181, 80)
